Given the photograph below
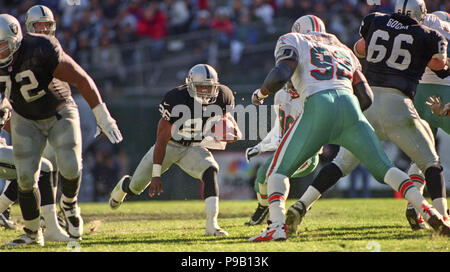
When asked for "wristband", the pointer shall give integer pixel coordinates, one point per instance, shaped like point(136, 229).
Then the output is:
point(156, 172)
point(260, 95)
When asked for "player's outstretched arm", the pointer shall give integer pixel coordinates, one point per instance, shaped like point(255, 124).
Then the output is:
point(277, 77)
point(362, 90)
point(163, 136)
point(69, 71)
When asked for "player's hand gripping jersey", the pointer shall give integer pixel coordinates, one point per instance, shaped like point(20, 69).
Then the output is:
point(323, 62)
point(398, 49)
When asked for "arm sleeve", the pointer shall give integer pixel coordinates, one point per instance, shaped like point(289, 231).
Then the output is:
point(437, 45)
point(228, 102)
point(166, 106)
point(286, 48)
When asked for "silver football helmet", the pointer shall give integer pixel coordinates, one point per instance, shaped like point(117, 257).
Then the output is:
point(308, 23)
point(11, 33)
point(203, 83)
point(40, 13)
point(415, 9)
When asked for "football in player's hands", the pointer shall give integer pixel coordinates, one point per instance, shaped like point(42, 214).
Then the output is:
point(226, 130)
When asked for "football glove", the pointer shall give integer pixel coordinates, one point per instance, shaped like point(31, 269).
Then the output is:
point(258, 98)
point(5, 114)
point(252, 152)
point(106, 124)
point(435, 104)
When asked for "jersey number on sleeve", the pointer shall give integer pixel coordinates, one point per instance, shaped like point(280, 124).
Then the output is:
point(28, 90)
point(323, 59)
point(399, 59)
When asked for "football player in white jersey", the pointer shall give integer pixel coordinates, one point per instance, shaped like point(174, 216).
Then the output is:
point(326, 74)
point(288, 107)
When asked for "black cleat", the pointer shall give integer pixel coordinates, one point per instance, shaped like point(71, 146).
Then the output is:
point(258, 216)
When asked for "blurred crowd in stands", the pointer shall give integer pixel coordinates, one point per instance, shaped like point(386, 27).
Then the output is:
point(84, 24)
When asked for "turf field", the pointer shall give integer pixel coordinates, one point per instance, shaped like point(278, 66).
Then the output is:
point(355, 225)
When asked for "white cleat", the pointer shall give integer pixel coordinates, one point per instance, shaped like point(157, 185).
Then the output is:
point(72, 215)
point(29, 238)
point(215, 232)
point(58, 235)
point(274, 232)
point(117, 194)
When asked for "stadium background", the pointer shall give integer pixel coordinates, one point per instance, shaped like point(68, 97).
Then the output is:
point(136, 50)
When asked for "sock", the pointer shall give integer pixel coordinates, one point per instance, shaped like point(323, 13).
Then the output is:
point(400, 182)
point(49, 213)
point(278, 191)
point(327, 177)
point(212, 211)
point(436, 187)
point(417, 177)
point(209, 179)
point(310, 196)
point(440, 204)
point(45, 184)
point(29, 205)
point(70, 189)
point(262, 200)
point(11, 190)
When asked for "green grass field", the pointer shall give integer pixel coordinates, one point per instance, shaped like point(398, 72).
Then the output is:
point(341, 225)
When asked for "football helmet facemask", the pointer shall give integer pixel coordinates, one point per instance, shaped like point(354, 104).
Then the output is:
point(11, 33)
point(308, 23)
point(203, 83)
point(40, 13)
point(415, 9)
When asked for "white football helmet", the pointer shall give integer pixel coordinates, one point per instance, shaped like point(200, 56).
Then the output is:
point(206, 76)
point(40, 13)
point(10, 32)
point(444, 16)
point(415, 9)
point(308, 23)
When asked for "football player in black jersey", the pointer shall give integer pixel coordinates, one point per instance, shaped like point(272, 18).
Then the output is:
point(179, 141)
point(397, 48)
point(39, 19)
point(33, 71)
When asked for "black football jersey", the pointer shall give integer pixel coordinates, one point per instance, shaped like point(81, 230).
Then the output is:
point(29, 83)
point(398, 50)
point(191, 119)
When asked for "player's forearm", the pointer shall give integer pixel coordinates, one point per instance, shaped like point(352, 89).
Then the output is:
point(277, 77)
point(162, 139)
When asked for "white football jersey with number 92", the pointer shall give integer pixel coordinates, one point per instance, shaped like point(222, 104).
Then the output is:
point(323, 62)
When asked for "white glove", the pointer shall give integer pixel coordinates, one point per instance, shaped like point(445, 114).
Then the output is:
point(5, 114)
point(252, 152)
point(106, 124)
point(258, 97)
